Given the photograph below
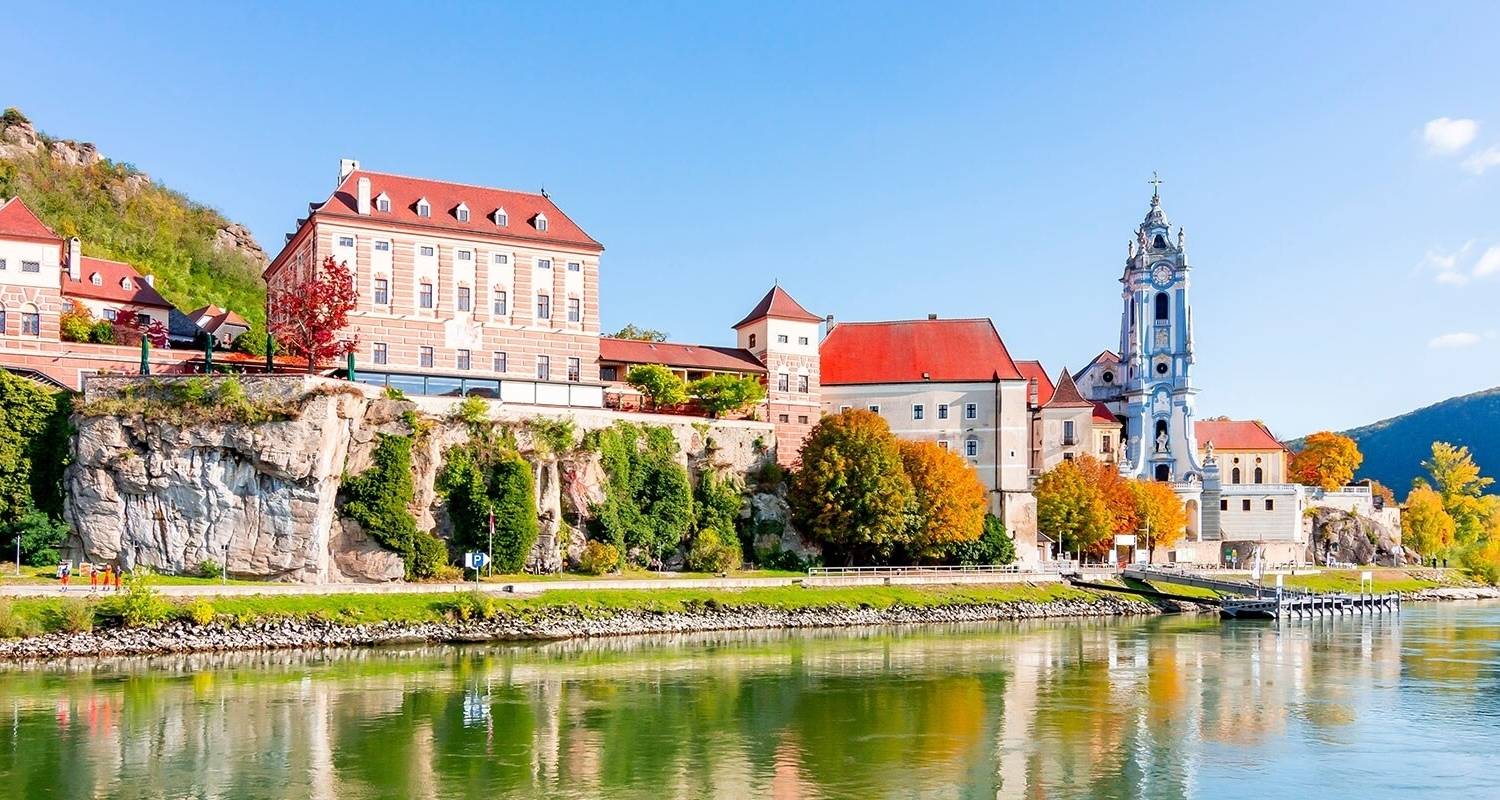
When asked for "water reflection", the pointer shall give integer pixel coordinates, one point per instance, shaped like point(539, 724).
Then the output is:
point(1169, 708)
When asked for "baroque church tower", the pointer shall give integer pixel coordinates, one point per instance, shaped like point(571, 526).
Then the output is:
point(1156, 356)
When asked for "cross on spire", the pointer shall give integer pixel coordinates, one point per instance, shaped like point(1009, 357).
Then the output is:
point(1155, 185)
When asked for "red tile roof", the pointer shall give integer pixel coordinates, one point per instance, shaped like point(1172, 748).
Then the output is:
point(210, 318)
point(1066, 395)
point(1034, 371)
point(673, 354)
point(16, 220)
point(1106, 356)
point(111, 273)
point(1232, 434)
point(1103, 414)
point(914, 351)
point(777, 303)
point(521, 208)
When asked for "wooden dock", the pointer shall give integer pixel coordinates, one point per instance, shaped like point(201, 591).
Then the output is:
point(1306, 606)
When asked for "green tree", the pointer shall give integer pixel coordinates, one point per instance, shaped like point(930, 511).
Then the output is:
point(380, 499)
point(478, 484)
point(726, 394)
point(1458, 481)
point(851, 492)
point(40, 537)
point(994, 546)
point(661, 386)
point(648, 497)
point(718, 501)
point(34, 448)
point(631, 331)
point(1071, 510)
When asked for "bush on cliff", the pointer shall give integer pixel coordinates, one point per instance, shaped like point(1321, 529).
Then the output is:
point(479, 482)
point(380, 499)
point(648, 497)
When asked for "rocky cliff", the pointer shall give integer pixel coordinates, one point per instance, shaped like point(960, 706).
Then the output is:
point(1351, 538)
point(171, 488)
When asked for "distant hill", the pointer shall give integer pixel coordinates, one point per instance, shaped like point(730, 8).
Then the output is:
point(1395, 448)
point(197, 255)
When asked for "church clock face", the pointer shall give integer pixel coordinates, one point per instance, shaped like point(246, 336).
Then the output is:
point(1161, 274)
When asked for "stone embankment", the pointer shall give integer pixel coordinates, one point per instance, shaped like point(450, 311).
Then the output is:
point(1454, 593)
point(551, 624)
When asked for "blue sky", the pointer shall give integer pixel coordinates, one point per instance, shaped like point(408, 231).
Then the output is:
point(882, 161)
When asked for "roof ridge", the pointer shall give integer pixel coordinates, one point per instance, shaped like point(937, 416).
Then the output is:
point(441, 180)
point(923, 319)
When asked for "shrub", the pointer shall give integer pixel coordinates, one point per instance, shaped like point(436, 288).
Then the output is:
point(210, 568)
point(379, 499)
point(598, 558)
point(479, 482)
point(473, 605)
point(726, 394)
point(201, 612)
point(648, 497)
point(717, 502)
point(994, 546)
point(393, 393)
point(71, 616)
point(40, 537)
point(770, 475)
point(713, 552)
point(12, 624)
point(76, 324)
point(140, 605)
point(102, 332)
point(774, 557)
point(472, 410)
point(551, 436)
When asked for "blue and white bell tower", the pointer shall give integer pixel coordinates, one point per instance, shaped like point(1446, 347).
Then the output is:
point(1156, 356)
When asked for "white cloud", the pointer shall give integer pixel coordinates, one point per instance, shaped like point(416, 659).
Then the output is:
point(1449, 340)
point(1446, 135)
point(1488, 264)
point(1447, 266)
point(1483, 160)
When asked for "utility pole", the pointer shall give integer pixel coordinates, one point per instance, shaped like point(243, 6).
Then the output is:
point(490, 567)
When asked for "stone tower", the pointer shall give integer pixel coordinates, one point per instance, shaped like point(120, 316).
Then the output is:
point(1156, 354)
point(784, 336)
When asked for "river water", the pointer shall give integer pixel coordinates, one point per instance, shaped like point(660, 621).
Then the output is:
point(1177, 707)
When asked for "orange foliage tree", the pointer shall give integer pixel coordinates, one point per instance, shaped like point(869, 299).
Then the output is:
point(1071, 509)
point(1115, 491)
point(950, 499)
point(1327, 459)
point(1163, 520)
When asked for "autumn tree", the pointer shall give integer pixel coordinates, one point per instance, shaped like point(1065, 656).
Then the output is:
point(1163, 520)
point(307, 318)
point(1426, 528)
point(659, 385)
point(1120, 501)
point(950, 499)
point(1380, 490)
point(1457, 479)
point(1071, 510)
point(1327, 459)
point(726, 394)
point(631, 331)
point(851, 492)
point(76, 324)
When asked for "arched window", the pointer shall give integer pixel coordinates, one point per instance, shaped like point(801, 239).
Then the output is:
point(1234, 476)
point(1163, 472)
point(1161, 427)
point(1160, 243)
point(1163, 305)
point(1260, 477)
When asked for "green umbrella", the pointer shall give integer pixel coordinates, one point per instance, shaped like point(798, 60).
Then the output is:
point(208, 354)
point(270, 354)
point(145, 355)
point(349, 365)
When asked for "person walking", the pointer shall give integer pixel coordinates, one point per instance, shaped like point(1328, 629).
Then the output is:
point(87, 568)
point(109, 571)
point(64, 569)
point(118, 571)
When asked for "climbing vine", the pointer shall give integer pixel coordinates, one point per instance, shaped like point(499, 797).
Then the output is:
point(648, 497)
point(480, 480)
point(380, 499)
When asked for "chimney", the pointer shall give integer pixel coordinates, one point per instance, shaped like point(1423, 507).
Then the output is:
point(346, 166)
point(827, 326)
point(932, 316)
point(75, 259)
point(149, 279)
point(363, 204)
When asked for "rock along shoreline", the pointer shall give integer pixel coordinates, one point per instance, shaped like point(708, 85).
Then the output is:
point(548, 625)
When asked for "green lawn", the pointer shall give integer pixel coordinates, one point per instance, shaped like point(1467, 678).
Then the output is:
point(31, 615)
point(47, 576)
point(1386, 580)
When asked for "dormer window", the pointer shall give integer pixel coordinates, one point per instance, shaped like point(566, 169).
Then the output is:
point(383, 203)
point(501, 218)
point(541, 222)
point(125, 283)
point(96, 279)
point(462, 212)
point(424, 208)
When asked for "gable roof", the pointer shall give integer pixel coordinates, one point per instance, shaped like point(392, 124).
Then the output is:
point(1105, 356)
point(1103, 414)
point(444, 197)
point(777, 303)
point(1034, 372)
point(211, 318)
point(915, 351)
point(673, 354)
point(17, 220)
point(1066, 395)
point(111, 273)
point(1233, 434)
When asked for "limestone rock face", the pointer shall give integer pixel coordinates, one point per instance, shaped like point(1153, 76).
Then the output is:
point(771, 519)
point(1343, 536)
point(236, 238)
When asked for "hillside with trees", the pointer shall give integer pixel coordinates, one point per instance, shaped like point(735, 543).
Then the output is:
point(118, 212)
point(1395, 448)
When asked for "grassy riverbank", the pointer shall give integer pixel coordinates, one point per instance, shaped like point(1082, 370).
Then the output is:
point(33, 616)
